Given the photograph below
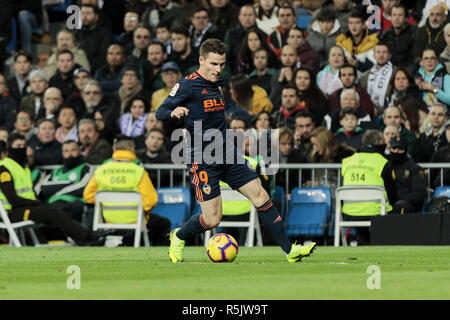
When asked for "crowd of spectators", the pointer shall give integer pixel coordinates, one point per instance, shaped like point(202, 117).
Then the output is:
point(323, 72)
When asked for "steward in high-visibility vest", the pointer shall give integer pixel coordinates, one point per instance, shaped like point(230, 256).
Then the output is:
point(19, 200)
point(122, 174)
point(63, 188)
point(367, 167)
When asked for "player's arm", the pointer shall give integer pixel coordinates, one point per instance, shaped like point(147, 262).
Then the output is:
point(172, 105)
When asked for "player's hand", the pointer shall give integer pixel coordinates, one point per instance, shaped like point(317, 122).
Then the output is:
point(179, 112)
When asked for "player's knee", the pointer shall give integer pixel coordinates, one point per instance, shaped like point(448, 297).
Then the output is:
point(212, 221)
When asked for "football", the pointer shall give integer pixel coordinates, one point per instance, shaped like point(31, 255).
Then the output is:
point(222, 248)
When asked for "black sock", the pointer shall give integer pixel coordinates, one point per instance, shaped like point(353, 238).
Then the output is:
point(271, 218)
point(195, 224)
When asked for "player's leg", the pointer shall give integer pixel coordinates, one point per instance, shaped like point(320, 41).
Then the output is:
point(207, 191)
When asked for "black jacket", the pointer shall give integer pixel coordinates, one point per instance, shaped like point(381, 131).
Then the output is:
point(410, 183)
point(401, 45)
point(94, 41)
point(8, 109)
point(46, 154)
point(427, 145)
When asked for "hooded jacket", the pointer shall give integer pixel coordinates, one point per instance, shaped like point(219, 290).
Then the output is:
point(322, 43)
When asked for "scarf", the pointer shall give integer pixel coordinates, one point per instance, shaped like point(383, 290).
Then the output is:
point(287, 113)
point(330, 82)
point(378, 83)
point(126, 95)
point(131, 128)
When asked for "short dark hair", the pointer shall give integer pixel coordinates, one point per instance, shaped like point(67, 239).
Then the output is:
point(285, 6)
point(356, 13)
point(41, 121)
point(155, 129)
point(157, 43)
point(347, 65)
point(64, 51)
point(400, 6)
point(290, 86)
point(347, 111)
point(180, 29)
point(15, 136)
point(70, 141)
point(23, 53)
point(212, 45)
point(130, 103)
point(199, 9)
point(95, 8)
point(326, 14)
point(238, 118)
point(304, 114)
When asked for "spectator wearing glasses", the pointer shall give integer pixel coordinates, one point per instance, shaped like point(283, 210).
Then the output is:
point(130, 23)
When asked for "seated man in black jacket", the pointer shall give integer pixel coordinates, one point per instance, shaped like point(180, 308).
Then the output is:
point(47, 149)
point(409, 179)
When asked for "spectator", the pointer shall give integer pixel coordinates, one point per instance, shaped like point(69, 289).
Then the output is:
point(137, 180)
point(434, 137)
point(47, 150)
point(138, 5)
point(67, 119)
point(7, 105)
point(19, 83)
point(202, 28)
point(389, 133)
point(278, 38)
point(349, 98)
point(130, 23)
point(393, 116)
point(63, 188)
point(433, 80)
point(24, 125)
point(163, 35)
point(109, 74)
point(150, 69)
point(431, 34)
point(170, 75)
point(400, 38)
point(29, 16)
point(263, 70)
point(94, 149)
point(304, 126)
point(349, 133)
point(310, 95)
point(328, 78)
point(106, 122)
point(355, 171)
point(33, 102)
point(63, 79)
point(235, 36)
point(266, 15)
point(93, 38)
point(65, 40)
point(163, 11)
point(409, 179)
point(386, 16)
point(141, 39)
point(130, 87)
point(251, 98)
point(182, 54)
point(445, 55)
point(253, 41)
point(17, 189)
point(288, 155)
point(323, 34)
point(305, 53)
point(401, 84)
point(415, 114)
point(52, 102)
point(284, 74)
point(224, 14)
point(290, 106)
point(376, 79)
point(80, 78)
point(132, 121)
point(347, 76)
point(94, 99)
point(342, 9)
point(442, 155)
point(152, 122)
point(358, 42)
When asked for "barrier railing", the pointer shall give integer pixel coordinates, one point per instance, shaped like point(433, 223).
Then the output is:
point(324, 174)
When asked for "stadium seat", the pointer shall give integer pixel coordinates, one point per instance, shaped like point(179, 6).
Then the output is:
point(174, 204)
point(107, 197)
point(355, 193)
point(252, 224)
point(442, 191)
point(11, 228)
point(280, 195)
point(308, 212)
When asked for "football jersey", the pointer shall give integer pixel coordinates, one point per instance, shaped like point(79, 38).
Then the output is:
point(205, 121)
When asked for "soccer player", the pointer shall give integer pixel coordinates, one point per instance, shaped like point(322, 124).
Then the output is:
point(198, 98)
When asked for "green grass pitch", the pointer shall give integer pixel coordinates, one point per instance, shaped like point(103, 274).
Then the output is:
point(417, 272)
